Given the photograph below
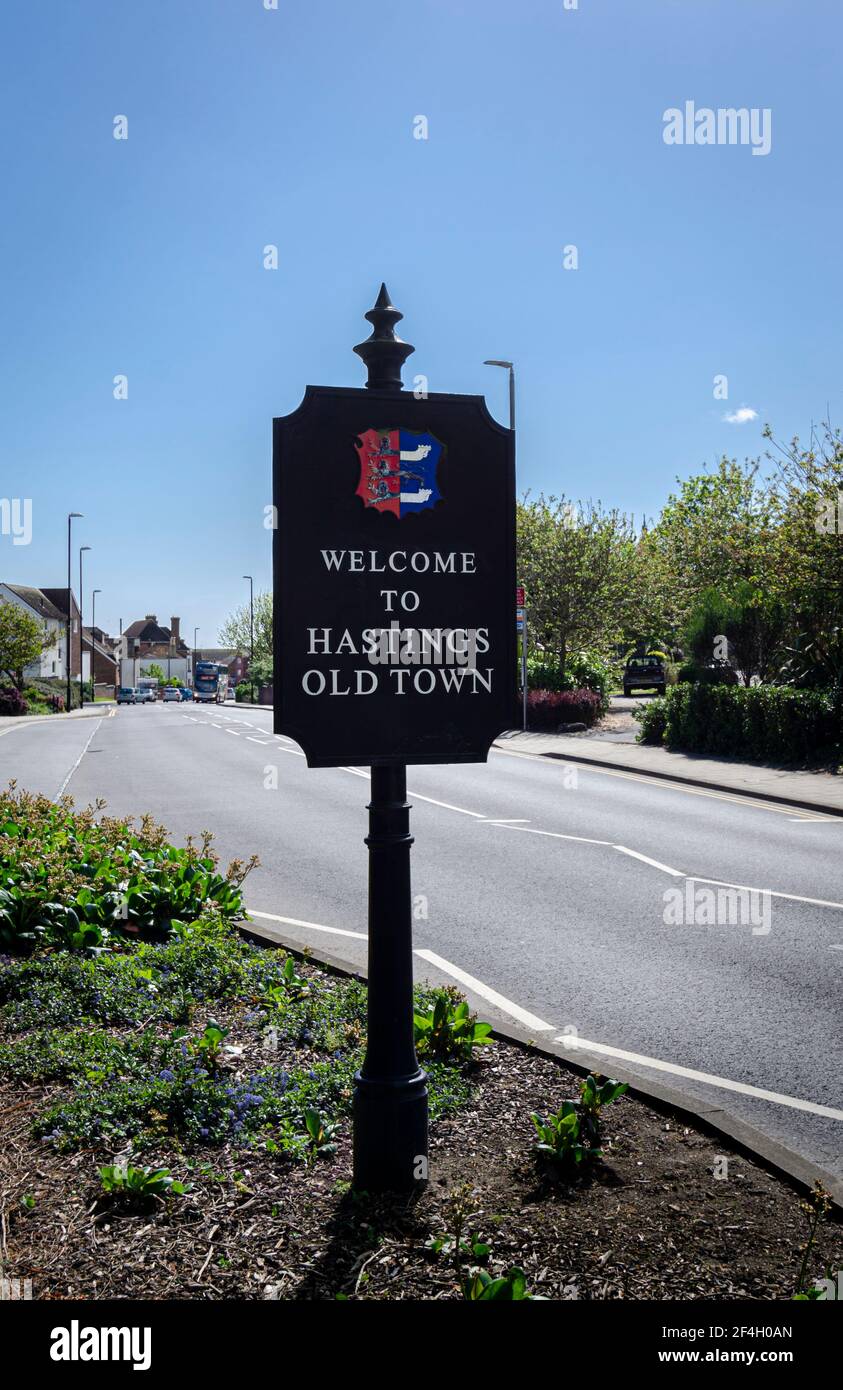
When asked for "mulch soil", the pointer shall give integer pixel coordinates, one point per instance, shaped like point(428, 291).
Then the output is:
point(653, 1220)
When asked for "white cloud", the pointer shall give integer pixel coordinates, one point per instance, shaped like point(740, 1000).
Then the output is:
point(742, 416)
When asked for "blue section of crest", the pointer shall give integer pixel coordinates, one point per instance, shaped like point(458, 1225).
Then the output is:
point(420, 454)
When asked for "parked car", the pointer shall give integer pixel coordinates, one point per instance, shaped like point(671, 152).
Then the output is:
point(172, 692)
point(185, 693)
point(127, 695)
point(145, 695)
point(644, 673)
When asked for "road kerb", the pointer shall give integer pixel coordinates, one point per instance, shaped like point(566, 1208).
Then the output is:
point(712, 1118)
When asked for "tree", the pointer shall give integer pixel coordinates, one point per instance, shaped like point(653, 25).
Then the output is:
point(154, 671)
point(22, 640)
point(716, 532)
point(235, 630)
point(575, 562)
point(808, 496)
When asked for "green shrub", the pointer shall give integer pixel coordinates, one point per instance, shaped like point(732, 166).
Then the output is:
point(447, 1030)
point(583, 671)
point(70, 880)
point(761, 723)
point(571, 1136)
point(124, 1182)
point(653, 720)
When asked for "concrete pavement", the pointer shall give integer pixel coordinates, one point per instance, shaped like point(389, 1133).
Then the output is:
point(820, 791)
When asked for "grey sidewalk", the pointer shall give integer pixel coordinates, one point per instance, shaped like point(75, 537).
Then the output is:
point(816, 791)
point(17, 721)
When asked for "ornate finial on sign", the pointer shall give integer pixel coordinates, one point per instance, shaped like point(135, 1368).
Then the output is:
point(383, 352)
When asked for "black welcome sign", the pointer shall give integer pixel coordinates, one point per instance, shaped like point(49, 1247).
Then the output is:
point(394, 569)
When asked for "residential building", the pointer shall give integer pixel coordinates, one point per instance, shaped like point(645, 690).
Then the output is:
point(49, 606)
point(146, 643)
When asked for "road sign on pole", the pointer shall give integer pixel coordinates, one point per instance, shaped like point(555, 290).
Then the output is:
point(394, 566)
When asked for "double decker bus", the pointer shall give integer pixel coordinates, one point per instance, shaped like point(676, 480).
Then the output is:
point(210, 682)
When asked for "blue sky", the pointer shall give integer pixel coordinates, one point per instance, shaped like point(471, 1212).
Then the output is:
point(294, 127)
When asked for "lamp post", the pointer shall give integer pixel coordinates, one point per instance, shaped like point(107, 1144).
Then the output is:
point(498, 362)
point(70, 517)
point(81, 631)
point(251, 633)
point(94, 593)
point(193, 673)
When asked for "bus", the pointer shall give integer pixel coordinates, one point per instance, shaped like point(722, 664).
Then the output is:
point(210, 682)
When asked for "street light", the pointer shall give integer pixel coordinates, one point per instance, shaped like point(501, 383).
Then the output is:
point(70, 517)
point(251, 633)
point(81, 632)
point(94, 641)
point(193, 673)
point(497, 362)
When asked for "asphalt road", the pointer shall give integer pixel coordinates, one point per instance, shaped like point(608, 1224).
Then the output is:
point(545, 883)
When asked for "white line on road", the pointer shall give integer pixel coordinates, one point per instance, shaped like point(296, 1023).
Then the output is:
point(61, 789)
point(261, 741)
point(690, 1074)
point(654, 863)
point(312, 926)
point(505, 820)
point(536, 1025)
point(574, 1043)
point(233, 732)
point(793, 897)
point(552, 834)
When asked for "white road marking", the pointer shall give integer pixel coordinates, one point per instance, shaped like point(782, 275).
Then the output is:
point(233, 733)
point(446, 805)
point(552, 834)
point(793, 897)
point(261, 741)
point(312, 926)
point(692, 1075)
point(61, 789)
point(536, 1025)
point(654, 863)
point(505, 820)
point(838, 946)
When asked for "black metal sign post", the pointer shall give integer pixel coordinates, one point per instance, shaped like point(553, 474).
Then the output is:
point(394, 570)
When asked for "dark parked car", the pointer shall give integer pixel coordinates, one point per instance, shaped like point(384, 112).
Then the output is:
point(644, 673)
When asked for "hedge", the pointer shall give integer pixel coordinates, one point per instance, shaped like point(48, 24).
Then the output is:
point(546, 709)
point(762, 723)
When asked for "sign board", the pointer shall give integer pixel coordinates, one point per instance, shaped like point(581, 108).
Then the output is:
point(394, 568)
point(520, 597)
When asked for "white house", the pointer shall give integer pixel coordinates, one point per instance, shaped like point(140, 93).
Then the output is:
point(38, 605)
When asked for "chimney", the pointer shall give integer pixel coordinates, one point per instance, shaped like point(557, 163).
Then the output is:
point(174, 631)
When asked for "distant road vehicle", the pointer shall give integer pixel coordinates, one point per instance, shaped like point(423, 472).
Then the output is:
point(210, 682)
point(185, 693)
point(171, 692)
point(126, 695)
point(148, 687)
point(644, 673)
point(144, 695)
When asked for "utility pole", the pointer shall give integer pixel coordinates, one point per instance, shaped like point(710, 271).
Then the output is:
point(81, 632)
point(94, 593)
point(70, 517)
point(251, 633)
